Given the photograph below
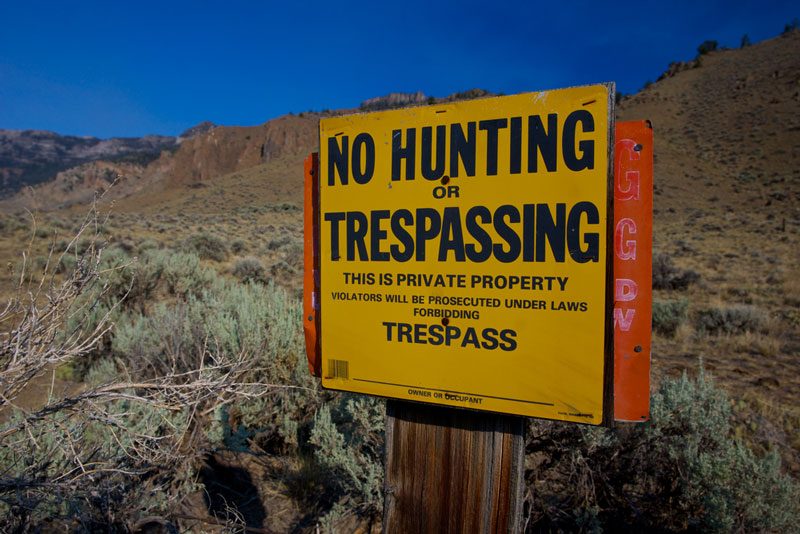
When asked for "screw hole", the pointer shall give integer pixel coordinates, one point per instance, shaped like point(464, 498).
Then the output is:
point(445, 321)
point(445, 180)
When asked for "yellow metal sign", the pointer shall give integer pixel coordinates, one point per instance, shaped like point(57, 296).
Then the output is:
point(463, 253)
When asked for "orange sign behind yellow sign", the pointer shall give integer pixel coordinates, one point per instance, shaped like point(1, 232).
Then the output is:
point(633, 261)
point(464, 254)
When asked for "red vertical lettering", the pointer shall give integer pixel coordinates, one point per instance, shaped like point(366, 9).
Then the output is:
point(626, 290)
point(623, 321)
point(631, 178)
point(625, 250)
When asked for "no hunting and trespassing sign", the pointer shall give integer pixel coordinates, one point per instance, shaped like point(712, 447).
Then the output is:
point(463, 254)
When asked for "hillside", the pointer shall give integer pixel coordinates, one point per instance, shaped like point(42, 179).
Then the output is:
point(727, 200)
point(208, 153)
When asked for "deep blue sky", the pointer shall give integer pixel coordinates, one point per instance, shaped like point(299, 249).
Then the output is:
point(132, 68)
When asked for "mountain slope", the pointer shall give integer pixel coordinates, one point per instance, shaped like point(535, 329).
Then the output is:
point(727, 206)
point(29, 157)
point(200, 154)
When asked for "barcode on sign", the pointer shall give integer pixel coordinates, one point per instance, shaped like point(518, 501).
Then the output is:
point(338, 369)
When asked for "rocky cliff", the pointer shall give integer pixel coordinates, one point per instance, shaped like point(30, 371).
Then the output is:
point(228, 149)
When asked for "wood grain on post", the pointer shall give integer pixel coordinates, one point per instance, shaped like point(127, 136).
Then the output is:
point(452, 471)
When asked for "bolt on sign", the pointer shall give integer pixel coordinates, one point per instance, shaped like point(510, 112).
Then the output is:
point(465, 252)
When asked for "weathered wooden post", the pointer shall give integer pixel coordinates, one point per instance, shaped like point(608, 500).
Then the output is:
point(452, 471)
point(463, 256)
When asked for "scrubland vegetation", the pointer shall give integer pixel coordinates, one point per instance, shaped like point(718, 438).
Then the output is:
point(175, 362)
point(177, 396)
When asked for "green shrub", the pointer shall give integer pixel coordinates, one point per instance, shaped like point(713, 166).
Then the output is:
point(154, 344)
point(279, 243)
point(745, 41)
point(281, 206)
point(123, 482)
point(126, 246)
point(13, 225)
point(238, 245)
point(66, 264)
point(721, 484)
point(292, 246)
point(249, 269)
point(286, 206)
point(706, 47)
point(56, 222)
point(225, 320)
point(103, 458)
point(44, 231)
point(148, 244)
point(38, 263)
point(667, 276)
point(730, 320)
point(209, 246)
point(85, 243)
point(159, 271)
point(681, 471)
point(669, 315)
point(129, 288)
point(114, 265)
point(219, 324)
point(349, 445)
point(182, 272)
